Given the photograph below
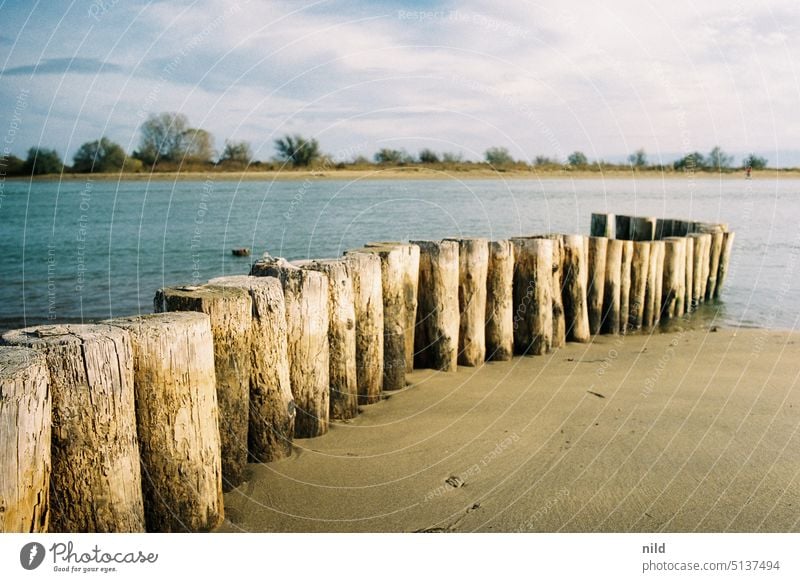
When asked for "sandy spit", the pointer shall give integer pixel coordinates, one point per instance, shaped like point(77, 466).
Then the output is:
point(689, 431)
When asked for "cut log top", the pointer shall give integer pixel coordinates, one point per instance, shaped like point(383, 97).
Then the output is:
point(17, 361)
point(159, 320)
point(45, 336)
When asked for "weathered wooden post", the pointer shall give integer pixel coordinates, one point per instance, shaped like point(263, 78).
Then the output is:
point(598, 247)
point(96, 483)
point(25, 421)
point(643, 227)
point(271, 421)
point(688, 269)
point(533, 295)
point(625, 285)
point(724, 262)
point(674, 278)
point(437, 306)
point(681, 227)
point(610, 315)
point(341, 336)
point(576, 313)
point(500, 301)
point(394, 314)
point(473, 260)
point(700, 258)
point(306, 296)
point(603, 225)
point(623, 227)
point(409, 265)
point(230, 311)
point(664, 228)
point(559, 324)
point(368, 294)
point(640, 274)
point(713, 265)
point(177, 420)
point(655, 273)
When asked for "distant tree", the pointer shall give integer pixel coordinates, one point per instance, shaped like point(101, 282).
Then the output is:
point(452, 157)
point(297, 150)
point(361, 160)
point(544, 161)
point(578, 160)
point(755, 162)
point(427, 156)
point(163, 137)
point(691, 162)
point(237, 151)
point(498, 157)
point(390, 156)
point(719, 160)
point(42, 161)
point(11, 165)
point(638, 159)
point(197, 145)
point(101, 155)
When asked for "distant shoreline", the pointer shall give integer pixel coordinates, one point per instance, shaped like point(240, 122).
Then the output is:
point(407, 173)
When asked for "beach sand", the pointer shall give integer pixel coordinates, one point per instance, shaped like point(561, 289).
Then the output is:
point(687, 431)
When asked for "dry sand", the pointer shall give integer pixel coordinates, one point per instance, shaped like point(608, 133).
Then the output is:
point(689, 431)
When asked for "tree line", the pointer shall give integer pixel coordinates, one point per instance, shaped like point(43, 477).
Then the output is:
point(169, 143)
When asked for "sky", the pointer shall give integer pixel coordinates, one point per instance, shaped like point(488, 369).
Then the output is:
point(539, 78)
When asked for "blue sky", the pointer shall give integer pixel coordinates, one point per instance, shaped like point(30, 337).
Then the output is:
point(540, 78)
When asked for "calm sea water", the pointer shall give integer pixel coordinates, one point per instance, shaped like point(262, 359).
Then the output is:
point(87, 250)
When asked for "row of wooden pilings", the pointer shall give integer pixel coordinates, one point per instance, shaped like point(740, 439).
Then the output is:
point(141, 423)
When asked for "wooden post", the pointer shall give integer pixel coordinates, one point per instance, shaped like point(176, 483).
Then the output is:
point(500, 301)
point(681, 227)
point(95, 483)
point(713, 264)
point(533, 295)
point(654, 284)
point(724, 262)
point(612, 291)
point(437, 306)
point(598, 247)
point(473, 261)
point(271, 421)
point(603, 225)
point(643, 227)
point(674, 278)
point(559, 325)
point(625, 285)
point(640, 274)
point(368, 294)
point(409, 265)
point(623, 227)
point(576, 313)
point(341, 336)
point(394, 315)
point(25, 421)
point(230, 311)
point(702, 246)
point(177, 420)
point(306, 296)
point(688, 300)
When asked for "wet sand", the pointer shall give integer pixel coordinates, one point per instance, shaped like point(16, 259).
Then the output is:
point(688, 431)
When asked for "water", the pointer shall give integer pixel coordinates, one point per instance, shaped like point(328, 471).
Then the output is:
point(81, 250)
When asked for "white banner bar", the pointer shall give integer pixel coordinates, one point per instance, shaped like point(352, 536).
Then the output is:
point(354, 557)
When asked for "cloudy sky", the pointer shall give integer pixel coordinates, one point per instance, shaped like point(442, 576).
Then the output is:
point(540, 78)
